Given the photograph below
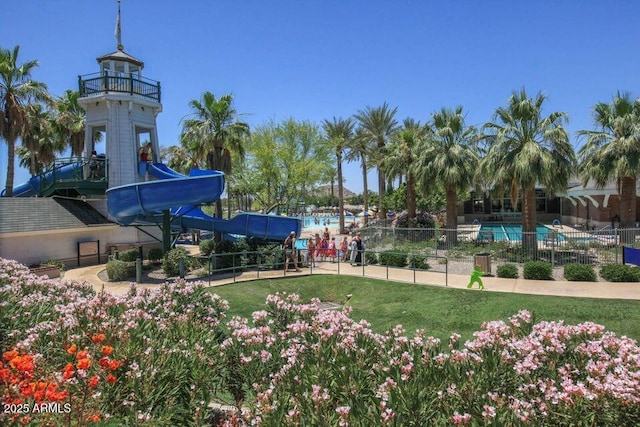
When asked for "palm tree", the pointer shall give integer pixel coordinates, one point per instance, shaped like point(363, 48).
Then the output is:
point(214, 128)
point(178, 158)
point(402, 158)
point(378, 125)
point(528, 149)
point(17, 89)
point(38, 140)
point(449, 156)
point(339, 132)
point(69, 124)
point(359, 150)
point(613, 151)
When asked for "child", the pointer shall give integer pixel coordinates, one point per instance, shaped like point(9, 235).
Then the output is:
point(311, 252)
point(344, 249)
point(332, 251)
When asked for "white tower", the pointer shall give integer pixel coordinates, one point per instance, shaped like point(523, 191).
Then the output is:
point(121, 108)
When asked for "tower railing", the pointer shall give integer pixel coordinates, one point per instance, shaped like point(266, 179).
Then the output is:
point(96, 84)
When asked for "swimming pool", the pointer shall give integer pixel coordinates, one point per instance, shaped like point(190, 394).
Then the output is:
point(510, 232)
point(323, 221)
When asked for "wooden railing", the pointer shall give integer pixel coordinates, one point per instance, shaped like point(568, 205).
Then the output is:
point(94, 84)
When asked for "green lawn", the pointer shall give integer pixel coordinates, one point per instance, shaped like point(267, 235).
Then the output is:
point(439, 311)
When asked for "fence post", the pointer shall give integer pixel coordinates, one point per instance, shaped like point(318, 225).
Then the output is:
point(617, 242)
point(446, 272)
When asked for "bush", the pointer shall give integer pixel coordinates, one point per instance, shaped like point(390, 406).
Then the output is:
point(171, 262)
point(370, 257)
point(538, 270)
point(579, 273)
point(231, 247)
point(118, 270)
point(58, 264)
point(620, 273)
point(507, 271)
point(393, 258)
point(155, 254)
point(419, 262)
point(270, 258)
point(207, 246)
point(129, 256)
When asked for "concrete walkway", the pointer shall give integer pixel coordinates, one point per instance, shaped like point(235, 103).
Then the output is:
point(492, 284)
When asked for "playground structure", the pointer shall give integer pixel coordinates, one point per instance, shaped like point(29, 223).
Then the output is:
point(148, 199)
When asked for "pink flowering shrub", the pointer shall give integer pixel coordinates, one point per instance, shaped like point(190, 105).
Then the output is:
point(166, 342)
point(160, 357)
point(322, 368)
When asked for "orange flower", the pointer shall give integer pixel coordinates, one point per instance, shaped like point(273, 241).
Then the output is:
point(22, 363)
point(94, 418)
point(94, 381)
point(97, 338)
point(72, 349)
point(68, 371)
point(114, 364)
point(82, 354)
point(9, 355)
point(84, 363)
point(106, 350)
point(104, 362)
point(111, 378)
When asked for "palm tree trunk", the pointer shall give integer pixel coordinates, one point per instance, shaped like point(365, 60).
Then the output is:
point(365, 190)
point(411, 197)
point(529, 221)
point(452, 214)
point(627, 202)
point(381, 191)
point(627, 207)
point(11, 156)
point(340, 196)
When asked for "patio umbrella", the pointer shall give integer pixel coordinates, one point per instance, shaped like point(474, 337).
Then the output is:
point(363, 214)
point(347, 213)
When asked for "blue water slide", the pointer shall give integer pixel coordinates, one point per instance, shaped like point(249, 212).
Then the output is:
point(260, 226)
point(32, 186)
point(143, 202)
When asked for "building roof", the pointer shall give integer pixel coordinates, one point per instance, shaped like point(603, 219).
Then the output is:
point(28, 214)
point(120, 55)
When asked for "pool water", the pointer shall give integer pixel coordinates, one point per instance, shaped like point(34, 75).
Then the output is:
point(510, 232)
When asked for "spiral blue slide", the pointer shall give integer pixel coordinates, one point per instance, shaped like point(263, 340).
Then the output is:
point(144, 203)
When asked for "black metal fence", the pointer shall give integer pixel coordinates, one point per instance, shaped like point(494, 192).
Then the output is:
point(389, 265)
point(506, 243)
point(96, 83)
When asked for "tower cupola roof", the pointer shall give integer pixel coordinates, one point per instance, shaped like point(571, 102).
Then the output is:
point(120, 56)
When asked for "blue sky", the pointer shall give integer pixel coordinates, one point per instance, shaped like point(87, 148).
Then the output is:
point(312, 60)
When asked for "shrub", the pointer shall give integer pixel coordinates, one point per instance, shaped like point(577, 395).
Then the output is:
point(393, 258)
point(538, 270)
point(118, 270)
point(579, 273)
point(129, 256)
point(620, 273)
point(155, 254)
point(171, 262)
point(207, 246)
point(507, 271)
point(229, 261)
point(419, 262)
point(270, 258)
point(58, 264)
point(370, 257)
